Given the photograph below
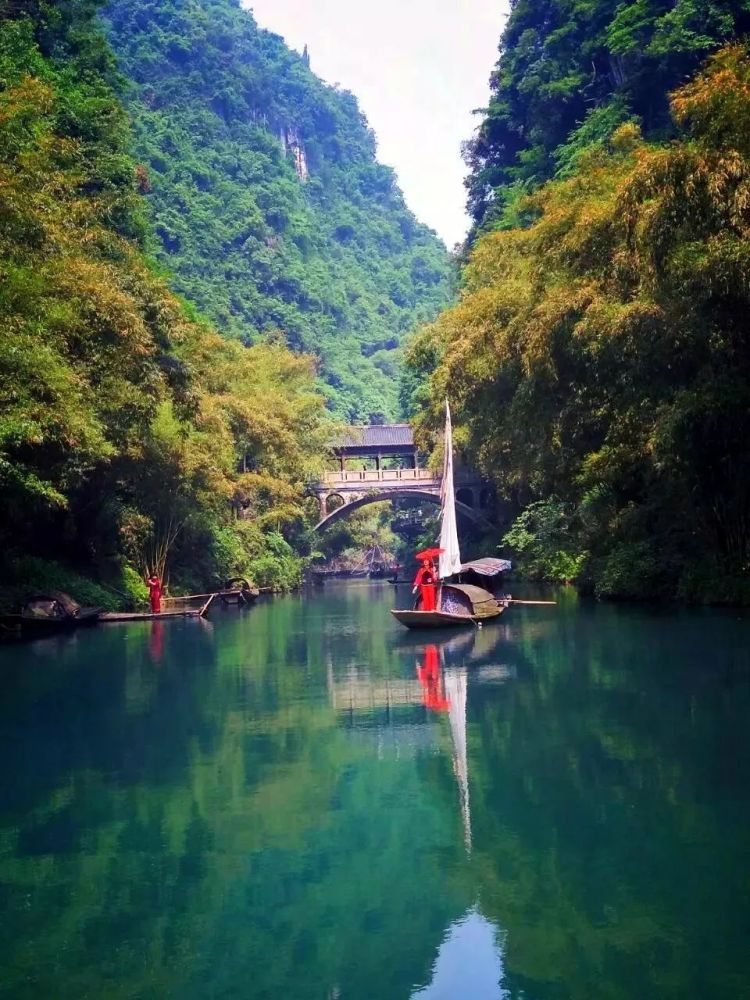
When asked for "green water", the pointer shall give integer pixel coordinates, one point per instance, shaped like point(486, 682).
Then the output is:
point(262, 806)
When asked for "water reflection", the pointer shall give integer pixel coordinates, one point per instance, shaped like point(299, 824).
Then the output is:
point(469, 963)
point(270, 808)
point(156, 641)
point(455, 686)
point(430, 678)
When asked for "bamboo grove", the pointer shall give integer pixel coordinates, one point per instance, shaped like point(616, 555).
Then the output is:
point(599, 357)
point(124, 418)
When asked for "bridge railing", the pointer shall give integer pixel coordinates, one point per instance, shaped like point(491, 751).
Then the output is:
point(354, 477)
point(379, 476)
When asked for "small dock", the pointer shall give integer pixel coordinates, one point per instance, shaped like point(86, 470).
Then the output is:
point(149, 616)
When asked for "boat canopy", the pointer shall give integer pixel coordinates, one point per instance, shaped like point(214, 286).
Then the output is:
point(471, 600)
point(55, 604)
point(487, 566)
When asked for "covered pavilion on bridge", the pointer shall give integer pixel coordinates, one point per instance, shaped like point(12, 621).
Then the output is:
point(378, 441)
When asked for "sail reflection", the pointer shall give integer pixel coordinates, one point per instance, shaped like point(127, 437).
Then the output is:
point(469, 963)
point(455, 686)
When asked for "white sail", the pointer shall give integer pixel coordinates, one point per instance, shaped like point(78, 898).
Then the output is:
point(450, 558)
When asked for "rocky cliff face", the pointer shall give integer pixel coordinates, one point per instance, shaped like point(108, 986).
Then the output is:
point(293, 146)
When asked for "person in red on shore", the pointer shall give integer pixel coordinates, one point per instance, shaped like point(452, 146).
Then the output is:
point(154, 593)
point(425, 581)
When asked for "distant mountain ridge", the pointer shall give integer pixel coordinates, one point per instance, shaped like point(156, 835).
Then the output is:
point(271, 211)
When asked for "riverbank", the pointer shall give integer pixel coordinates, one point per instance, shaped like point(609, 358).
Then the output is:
point(699, 589)
point(123, 590)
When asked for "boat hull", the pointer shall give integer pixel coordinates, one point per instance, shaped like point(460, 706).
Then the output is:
point(431, 619)
point(458, 605)
point(33, 626)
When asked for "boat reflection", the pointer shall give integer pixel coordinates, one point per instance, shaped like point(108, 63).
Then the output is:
point(455, 686)
point(471, 648)
point(385, 706)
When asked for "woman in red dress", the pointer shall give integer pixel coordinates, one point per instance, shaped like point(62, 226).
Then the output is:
point(426, 581)
point(154, 593)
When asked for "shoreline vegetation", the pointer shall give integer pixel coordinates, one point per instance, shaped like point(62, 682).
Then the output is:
point(597, 357)
point(133, 438)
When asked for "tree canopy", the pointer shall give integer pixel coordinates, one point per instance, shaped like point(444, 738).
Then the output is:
point(129, 430)
point(571, 72)
point(598, 360)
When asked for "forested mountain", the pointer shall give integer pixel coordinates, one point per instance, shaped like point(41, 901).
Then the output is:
point(122, 419)
point(598, 362)
point(270, 210)
point(571, 72)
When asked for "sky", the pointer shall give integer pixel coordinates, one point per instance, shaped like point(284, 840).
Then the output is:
point(418, 68)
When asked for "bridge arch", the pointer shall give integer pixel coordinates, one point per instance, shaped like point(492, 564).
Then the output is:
point(395, 494)
point(334, 502)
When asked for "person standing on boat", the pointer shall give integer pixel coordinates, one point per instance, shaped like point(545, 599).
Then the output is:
point(425, 581)
point(154, 593)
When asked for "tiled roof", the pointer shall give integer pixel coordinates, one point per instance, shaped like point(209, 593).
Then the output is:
point(379, 436)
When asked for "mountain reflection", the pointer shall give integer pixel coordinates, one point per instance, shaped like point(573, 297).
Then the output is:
point(469, 963)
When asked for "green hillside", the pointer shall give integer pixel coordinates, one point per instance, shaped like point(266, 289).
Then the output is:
point(270, 210)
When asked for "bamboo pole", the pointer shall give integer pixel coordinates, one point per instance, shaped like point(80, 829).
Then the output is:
point(511, 600)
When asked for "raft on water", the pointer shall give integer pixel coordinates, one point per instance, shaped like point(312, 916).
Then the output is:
point(171, 612)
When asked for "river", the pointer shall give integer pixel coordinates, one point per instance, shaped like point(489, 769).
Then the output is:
point(304, 800)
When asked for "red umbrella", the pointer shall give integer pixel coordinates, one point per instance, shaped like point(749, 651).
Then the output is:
point(429, 554)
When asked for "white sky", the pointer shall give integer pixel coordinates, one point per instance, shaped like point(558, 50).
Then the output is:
point(418, 69)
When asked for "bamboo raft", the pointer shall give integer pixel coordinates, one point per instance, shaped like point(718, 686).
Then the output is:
point(149, 616)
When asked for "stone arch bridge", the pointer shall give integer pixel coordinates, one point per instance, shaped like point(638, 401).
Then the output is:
point(386, 467)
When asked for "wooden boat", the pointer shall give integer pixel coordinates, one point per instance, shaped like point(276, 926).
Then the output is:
point(44, 614)
point(458, 604)
point(431, 619)
point(238, 591)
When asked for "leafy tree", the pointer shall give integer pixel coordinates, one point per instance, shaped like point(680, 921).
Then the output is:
point(131, 434)
point(541, 537)
point(600, 355)
point(570, 72)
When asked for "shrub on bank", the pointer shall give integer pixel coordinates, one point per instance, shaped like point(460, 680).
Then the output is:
point(26, 577)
